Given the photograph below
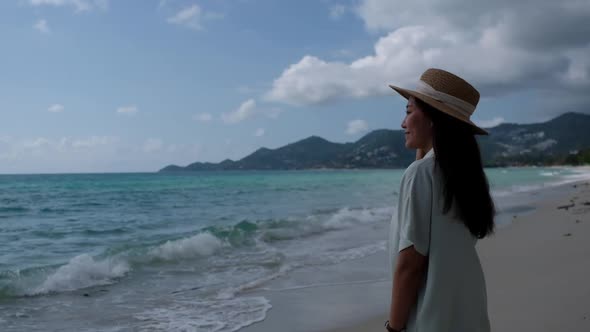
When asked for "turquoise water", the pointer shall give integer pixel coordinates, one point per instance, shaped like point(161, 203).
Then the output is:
point(177, 251)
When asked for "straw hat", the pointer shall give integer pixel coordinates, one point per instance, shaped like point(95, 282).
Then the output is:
point(447, 93)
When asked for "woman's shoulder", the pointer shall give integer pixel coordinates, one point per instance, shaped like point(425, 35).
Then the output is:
point(421, 167)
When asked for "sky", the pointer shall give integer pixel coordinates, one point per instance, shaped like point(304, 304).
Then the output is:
point(136, 85)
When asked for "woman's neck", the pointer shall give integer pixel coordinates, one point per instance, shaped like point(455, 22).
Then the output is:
point(427, 147)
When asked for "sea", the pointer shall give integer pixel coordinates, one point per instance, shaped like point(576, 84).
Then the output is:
point(183, 251)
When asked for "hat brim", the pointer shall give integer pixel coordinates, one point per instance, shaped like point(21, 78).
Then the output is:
point(439, 106)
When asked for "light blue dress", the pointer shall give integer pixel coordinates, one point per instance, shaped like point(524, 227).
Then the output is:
point(453, 296)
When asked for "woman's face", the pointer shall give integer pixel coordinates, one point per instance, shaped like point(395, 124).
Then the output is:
point(417, 126)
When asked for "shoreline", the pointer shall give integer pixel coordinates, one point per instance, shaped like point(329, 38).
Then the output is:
point(337, 169)
point(534, 270)
point(337, 279)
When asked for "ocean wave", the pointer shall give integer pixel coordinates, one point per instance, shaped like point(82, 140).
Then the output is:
point(328, 284)
point(109, 231)
point(85, 271)
point(347, 217)
point(249, 233)
point(80, 272)
point(215, 315)
point(51, 210)
point(240, 234)
point(50, 234)
point(558, 179)
point(202, 244)
point(232, 292)
point(11, 209)
point(354, 253)
point(517, 189)
point(334, 256)
point(257, 238)
point(549, 173)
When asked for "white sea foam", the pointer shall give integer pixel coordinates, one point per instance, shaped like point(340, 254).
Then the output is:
point(205, 316)
point(338, 256)
point(231, 292)
point(347, 217)
point(107, 329)
point(579, 174)
point(203, 244)
point(82, 271)
point(322, 222)
point(518, 189)
point(306, 286)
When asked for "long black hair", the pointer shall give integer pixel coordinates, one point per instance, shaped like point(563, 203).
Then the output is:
point(464, 181)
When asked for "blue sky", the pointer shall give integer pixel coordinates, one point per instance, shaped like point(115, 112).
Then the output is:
point(135, 85)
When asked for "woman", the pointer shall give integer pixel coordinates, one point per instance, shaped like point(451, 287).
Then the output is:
point(444, 207)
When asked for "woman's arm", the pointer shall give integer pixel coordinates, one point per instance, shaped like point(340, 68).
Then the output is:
point(407, 280)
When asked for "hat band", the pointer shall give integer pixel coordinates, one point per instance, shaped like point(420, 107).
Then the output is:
point(463, 107)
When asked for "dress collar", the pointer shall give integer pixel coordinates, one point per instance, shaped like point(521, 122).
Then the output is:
point(430, 153)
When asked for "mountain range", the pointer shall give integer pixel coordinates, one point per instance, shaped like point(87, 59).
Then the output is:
point(557, 141)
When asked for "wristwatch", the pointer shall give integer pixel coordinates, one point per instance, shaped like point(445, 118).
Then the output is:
point(391, 329)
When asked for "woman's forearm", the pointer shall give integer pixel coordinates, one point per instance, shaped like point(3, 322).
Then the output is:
point(407, 280)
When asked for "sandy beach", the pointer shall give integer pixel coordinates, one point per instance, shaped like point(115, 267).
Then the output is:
point(537, 271)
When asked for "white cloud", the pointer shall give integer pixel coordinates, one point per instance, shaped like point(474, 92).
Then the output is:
point(400, 57)
point(91, 142)
point(248, 109)
point(337, 11)
point(203, 117)
point(42, 26)
point(79, 5)
point(91, 154)
point(357, 127)
point(578, 72)
point(129, 110)
point(172, 148)
point(192, 16)
point(501, 47)
point(272, 112)
point(56, 108)
point(189, 17)
point(259, 132)
point(489, 123)
point(26, 149)
point(153, 145)
point(344, 53)
point(36, 143)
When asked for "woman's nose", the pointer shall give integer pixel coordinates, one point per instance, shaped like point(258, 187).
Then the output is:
point(404, 124)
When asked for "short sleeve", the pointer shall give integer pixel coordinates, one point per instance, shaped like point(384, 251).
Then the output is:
point(415, 209)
